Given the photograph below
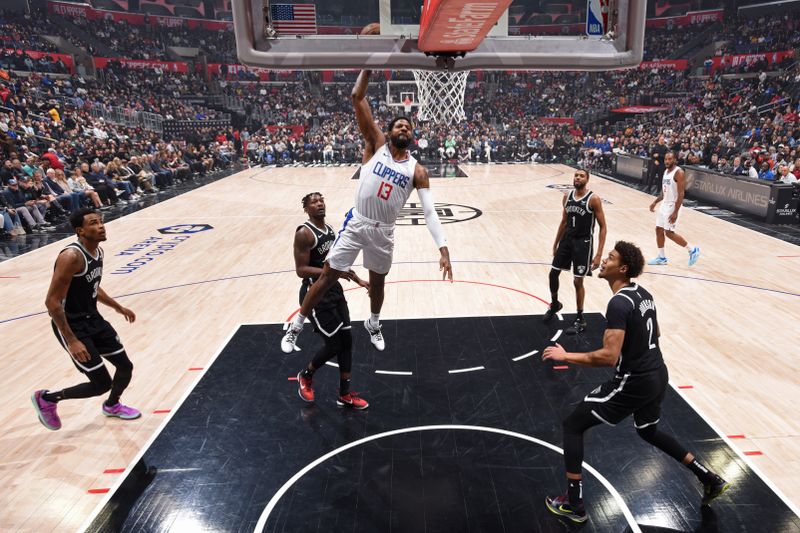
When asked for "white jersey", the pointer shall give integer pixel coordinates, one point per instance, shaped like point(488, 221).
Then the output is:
point(384, 186)
point(668, 186)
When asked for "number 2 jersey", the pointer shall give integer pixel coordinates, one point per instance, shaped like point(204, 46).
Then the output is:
point(632, 309)
point(384, 186)
point(81, 300)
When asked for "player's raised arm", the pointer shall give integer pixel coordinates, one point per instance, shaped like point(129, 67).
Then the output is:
point(373, 136)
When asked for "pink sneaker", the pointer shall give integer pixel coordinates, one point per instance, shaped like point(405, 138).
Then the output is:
point(121, 411)
point(48, 415)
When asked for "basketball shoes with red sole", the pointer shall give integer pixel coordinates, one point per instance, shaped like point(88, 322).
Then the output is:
point(304, 388)
point(352, 399)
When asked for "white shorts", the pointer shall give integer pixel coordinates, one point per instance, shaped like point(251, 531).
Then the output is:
point(663, 213)
point(358, 233)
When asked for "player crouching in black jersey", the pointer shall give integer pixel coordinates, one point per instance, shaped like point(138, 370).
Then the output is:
point(630, 344)
point(87, 337)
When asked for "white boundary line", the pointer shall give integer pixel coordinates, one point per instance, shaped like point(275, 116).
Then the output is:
point(524, 356)
point(470, 369)
point(395, 372)
point(745, 459)
point(557, 335)
point(331, 363)
point(113, 490)
point(262, 520)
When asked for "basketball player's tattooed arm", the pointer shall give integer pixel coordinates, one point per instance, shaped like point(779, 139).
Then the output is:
point(373, 136)
point(562, 227)
point(422, 183)
point(69, 263)
point(680, 182)
point(605, 356)
point(596, 203)
point(105, 299)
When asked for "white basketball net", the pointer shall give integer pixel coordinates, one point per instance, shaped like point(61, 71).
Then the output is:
point(441, 95)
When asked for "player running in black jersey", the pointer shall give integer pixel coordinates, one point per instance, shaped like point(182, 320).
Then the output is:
point(630, 344)
point(331, 316)
point(72, 303)
point(574, 244)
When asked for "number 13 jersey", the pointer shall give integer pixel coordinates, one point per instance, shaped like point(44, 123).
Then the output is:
point(384, 186)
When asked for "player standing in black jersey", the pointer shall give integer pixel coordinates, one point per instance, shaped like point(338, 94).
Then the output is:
point(72, 303)
point(331, 316)
point(630, 344)
point(574, 244)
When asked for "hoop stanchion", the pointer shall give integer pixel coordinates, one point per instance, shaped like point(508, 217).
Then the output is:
point(441, 95)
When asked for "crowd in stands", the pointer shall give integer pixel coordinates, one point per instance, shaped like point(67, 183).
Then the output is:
point(56, 153)
point(765, 34)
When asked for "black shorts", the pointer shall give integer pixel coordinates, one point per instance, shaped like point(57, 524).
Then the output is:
point(99, 337)
point(575, 252)
point(331, 314)
point(639, 395)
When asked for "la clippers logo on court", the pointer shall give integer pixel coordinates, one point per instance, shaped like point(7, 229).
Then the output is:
point(412, 214)
point(151, 248)
point(180, 229)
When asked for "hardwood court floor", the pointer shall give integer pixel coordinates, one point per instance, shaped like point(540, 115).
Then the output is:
point(728, 323)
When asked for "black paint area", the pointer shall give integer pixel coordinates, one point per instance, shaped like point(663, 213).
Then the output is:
point(244, 432)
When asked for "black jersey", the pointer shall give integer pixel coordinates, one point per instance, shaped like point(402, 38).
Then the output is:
point(580, 217)
point(632, 309)
point(81, 300)
point(323, 240)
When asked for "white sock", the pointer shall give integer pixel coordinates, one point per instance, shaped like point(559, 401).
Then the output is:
point(374, 319)
point(689, 247)
point(298, 322)
point(661, 253)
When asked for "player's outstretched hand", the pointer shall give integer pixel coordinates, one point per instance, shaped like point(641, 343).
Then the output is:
point(129, 315)
point(554, 353)
point(444, 265)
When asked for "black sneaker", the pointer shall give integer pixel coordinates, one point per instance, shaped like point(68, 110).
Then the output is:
point(560, 505)
point(714, 489)
point(579, 326)
point(548, 316)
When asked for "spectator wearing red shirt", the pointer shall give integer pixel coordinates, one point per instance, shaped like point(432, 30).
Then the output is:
point(55, 162)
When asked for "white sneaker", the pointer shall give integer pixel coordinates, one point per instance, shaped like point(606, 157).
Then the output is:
point(288, 341)
point(375, 335)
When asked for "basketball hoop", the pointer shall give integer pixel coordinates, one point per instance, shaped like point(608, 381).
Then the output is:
point(441, 95)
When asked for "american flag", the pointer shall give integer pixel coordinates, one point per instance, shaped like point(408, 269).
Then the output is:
point(294, 19)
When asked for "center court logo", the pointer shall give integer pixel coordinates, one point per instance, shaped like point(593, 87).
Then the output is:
point(412, 214)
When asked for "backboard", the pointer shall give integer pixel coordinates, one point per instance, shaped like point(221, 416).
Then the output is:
point(324, 35)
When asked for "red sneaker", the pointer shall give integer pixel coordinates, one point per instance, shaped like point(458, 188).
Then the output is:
point(352, 399)
point(304, 388)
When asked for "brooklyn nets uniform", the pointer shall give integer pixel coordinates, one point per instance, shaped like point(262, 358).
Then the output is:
point(331, 314)
point(669, 189)
point(577, 244)
point(85, 321)
point(383, 189)
point(641, 378)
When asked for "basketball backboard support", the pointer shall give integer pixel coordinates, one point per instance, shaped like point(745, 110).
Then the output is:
point(513, 44)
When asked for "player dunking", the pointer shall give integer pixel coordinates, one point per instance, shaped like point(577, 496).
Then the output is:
point(81, 330)
point(574, 244)
point(673, 186)
point(387, 176)
point(331, 316)
point(630, 344)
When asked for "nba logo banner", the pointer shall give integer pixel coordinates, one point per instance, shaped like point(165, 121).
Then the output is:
point(597, 17)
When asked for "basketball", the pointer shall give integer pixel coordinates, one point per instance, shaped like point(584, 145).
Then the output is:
point(373, 28)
